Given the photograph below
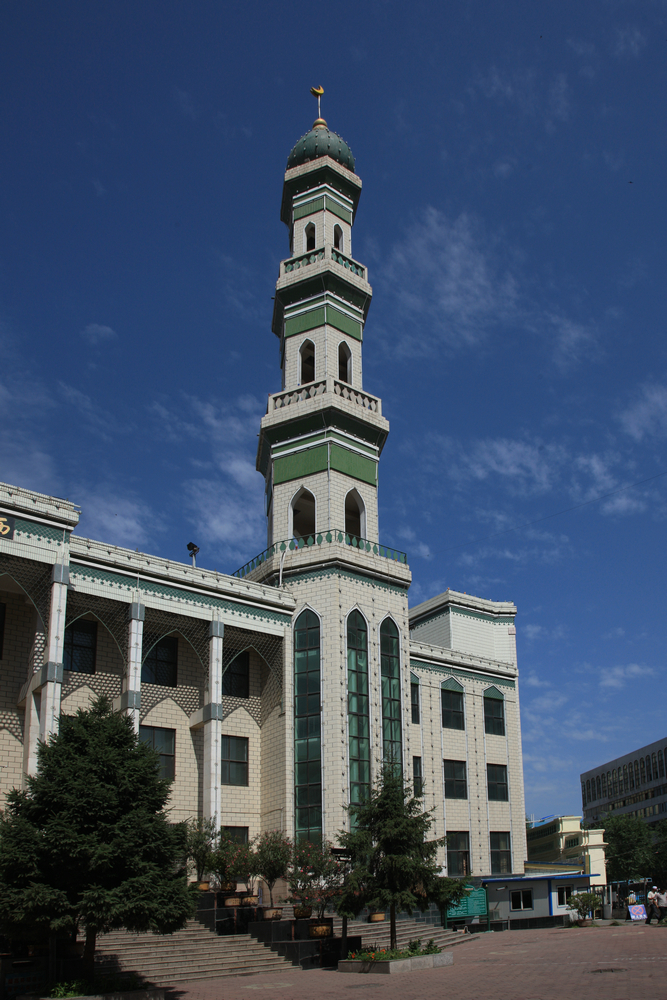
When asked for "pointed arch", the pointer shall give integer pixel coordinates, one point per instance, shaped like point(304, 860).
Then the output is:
point(310, 234)
point(494, 712)
point(452, 704)
point(355, 515)
point(302, 514)
point(307, 362)
point(307, 727)
point(344, 363)
point(358, 708)
point(390, 671)
point(338, 238)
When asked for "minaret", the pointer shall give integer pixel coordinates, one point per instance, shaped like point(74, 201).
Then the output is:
point(319, 448)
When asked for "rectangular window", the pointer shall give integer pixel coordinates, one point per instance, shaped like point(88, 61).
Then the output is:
point(417, 778)
point(564, 893)
point(458, 854)
point(497, 782)
point(237, 834)
point(414, 702)
point(456, 785)
point(79, 647)
point(494, 717)
point(521, 899)
point(160, 664)
point(234, 760)
point(572, 842)
point(452, 709)
point(501, 857)
point(236, 678)
point(164, 741)
point(2, 634)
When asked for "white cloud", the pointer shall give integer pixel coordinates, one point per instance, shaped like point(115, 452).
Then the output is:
point(618, 677)
point(614, 633)
point(533, 680)
point(97, 419)
point(629, 41)
point(117, 518)
point(573, 342)
point(96, 333)
point(647, 416)
point(186, 105)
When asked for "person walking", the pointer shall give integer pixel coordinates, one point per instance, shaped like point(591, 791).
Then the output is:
point(661, 903)
point(652, 905)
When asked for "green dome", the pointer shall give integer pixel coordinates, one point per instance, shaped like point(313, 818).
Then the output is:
point(321, 141)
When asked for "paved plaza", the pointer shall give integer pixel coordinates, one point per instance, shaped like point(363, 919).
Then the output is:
point(594, 963)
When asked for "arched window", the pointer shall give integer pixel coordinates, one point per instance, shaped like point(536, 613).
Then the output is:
point(636, 774)
point(494, 715)
point(642, 769)
point(583, 794)
point(610, 788)
point(631, 775)
point(310, 237)
point(391, 692)
point(307, 746)
point(307, 362)
point(614, 782)
point(655, 766)
point(358, 708)
point(355, 517)
point(344, 363)
point(338, 238)
point(661, 764)
point(593, 795)
point(599, 787)
point(604, 785)
point(625, 777)
point(451, 701)
point(649, 776)
point(303, 515)
point(588, 791)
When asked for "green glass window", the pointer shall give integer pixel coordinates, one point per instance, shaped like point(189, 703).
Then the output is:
point(501, 857)
point(80, 646)
point(234, 760)
point(307, 748)
point(164, 741)
point(456, 784)
point(236, 678)
point(497, 782)
point(391, 691)
point(417, 778)
point(414, 700)
point(494, 716)
point(357, 707)
point(452, 709)
point(458, 853)
point(160, 663)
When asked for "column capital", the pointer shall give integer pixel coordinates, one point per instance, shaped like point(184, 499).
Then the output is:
point(137, 612)
point(216, 630)
point(60, 573)
point(209, 713)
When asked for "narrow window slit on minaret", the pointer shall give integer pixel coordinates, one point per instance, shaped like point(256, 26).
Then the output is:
point(355, 517)
point(307, 357)
point(344, 363)
point(303, 515)
point(310, 237)
point(338, 239)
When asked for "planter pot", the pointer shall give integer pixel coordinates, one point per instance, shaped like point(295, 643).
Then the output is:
point(375, 918)
point(396, 965)
point(250, 900)
point(272, 912)
point(320, 930)
point(229, 888)
point(302, 912)
point(204, 886)
point(232, 900)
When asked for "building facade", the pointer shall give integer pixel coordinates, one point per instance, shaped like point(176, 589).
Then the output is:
point(632, 785)
point(274, 695)
point(561, 839)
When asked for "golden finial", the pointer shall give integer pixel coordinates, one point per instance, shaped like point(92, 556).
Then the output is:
point(317, 92)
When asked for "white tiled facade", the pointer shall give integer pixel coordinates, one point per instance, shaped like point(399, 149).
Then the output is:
point(327, 442)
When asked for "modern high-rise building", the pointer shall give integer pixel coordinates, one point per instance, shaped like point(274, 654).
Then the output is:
point(274, 695)
point(631, 785)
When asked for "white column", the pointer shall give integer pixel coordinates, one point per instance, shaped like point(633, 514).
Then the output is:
point(52, 672)
point(212, 721)
point(130, 699)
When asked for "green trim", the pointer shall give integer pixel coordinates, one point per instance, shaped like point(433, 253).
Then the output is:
point(129, 585)
point(303, 463)
point(493, 692)
point(371, 450)
point(305, 321)
point(309, 208)
point(368, 581)
point(485, 616)
point(452, 685)
point(336, 209)
point(444, 669)
point(413, 678)
point(306, 442)
point(347, 462)
point(45, 532)
point(343, 322)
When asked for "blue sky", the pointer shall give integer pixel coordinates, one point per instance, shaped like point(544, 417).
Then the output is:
point(513, 220)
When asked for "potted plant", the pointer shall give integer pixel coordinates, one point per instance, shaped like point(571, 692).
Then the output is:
point(221, 864)
point(273, 852)
point(243, 868)
point(300, 876)
point(200, 841)
point(315, 879)
point(376, 915)
point(583, 903)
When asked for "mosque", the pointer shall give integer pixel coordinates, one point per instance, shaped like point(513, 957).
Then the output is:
point(274, 695)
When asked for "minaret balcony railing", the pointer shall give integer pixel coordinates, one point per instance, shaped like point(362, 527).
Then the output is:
point(324, 253)
point(278, 400)
point(334, 536)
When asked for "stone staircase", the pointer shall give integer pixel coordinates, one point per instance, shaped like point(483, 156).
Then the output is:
point(193, 953)
point(407, 929)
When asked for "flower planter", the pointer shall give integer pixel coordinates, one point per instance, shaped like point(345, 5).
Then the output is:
point(320, 930)
point(393, 966)
point(375, 918)
point(250, 900)
point(229, 888)
point(302, 912)
point(204, 886)
point(272, 912)
point(232, 900)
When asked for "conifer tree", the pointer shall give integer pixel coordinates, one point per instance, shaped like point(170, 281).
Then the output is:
point(393, 865)
point(88, 845)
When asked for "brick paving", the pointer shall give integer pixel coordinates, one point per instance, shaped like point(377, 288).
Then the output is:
point(553, 964)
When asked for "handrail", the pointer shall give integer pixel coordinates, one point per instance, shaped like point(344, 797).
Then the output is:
point(321, 538)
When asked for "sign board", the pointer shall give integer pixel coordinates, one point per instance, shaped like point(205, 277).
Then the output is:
point(6, 526)
point(637, 912)
point(474, 905)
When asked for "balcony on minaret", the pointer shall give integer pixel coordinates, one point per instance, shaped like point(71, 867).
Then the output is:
point(295, 265)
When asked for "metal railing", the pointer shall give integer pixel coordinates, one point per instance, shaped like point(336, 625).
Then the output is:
point(334, 536)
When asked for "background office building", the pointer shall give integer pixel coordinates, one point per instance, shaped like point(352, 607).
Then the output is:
point(631, 785)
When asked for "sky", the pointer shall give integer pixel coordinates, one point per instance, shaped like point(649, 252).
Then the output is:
point(513, 221)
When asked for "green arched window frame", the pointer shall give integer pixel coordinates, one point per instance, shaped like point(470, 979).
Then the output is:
point(307, 728)
point(494, 712)
point(390, 670)
point(451, 700)
point(358, 708)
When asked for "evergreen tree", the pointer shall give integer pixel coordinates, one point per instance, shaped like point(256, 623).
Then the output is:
point(393, 865)
point(88, 844)
point(630, 852)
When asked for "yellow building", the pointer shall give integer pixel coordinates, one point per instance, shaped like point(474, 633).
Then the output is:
point(562, 840)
